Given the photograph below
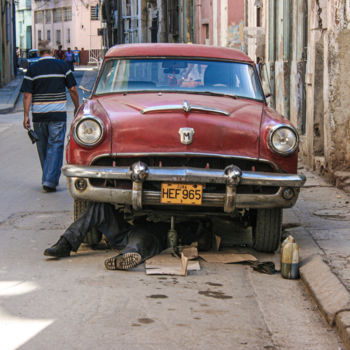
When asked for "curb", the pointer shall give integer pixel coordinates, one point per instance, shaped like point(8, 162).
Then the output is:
point(8, 107)
point(330, 295)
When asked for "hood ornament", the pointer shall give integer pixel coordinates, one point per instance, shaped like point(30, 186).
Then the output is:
point(186, 135)
point(186, 106)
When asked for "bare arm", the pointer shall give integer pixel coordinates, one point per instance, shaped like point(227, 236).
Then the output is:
point(27, 99)
point(73, 91)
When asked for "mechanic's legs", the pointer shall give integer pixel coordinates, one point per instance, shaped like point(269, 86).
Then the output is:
point(142, 245)
point(101, 216)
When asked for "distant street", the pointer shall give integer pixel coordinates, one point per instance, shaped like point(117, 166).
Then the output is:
point(74, 303)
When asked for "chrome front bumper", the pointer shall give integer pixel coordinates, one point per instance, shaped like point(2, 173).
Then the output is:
point(80, 187)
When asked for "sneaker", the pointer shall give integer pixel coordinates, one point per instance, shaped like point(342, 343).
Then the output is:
point(123, 261)
point(47, 189)
point(60, 249)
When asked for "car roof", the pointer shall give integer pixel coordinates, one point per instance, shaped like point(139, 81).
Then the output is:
point(31, 50)
point(179, 50)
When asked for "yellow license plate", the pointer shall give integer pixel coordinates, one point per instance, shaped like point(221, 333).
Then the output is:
point(181, 194)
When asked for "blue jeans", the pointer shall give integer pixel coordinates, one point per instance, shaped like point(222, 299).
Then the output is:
point(50, 148)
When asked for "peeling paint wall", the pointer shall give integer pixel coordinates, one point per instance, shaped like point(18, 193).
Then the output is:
point(326, 145)
point(333, 20)
point(235, 37)
point(339, 101)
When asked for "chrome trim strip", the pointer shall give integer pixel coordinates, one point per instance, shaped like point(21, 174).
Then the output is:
point(187, 107)
point(186, 174)
point(184, 154)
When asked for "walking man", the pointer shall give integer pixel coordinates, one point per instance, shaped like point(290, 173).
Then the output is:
point(69, 58)
point(44, 87)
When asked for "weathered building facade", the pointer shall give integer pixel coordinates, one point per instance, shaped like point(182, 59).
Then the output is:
point(305, 49)
point(7, 40)
point(70, 24)
point(142, 21)
point(220, 23)
point(211, 22)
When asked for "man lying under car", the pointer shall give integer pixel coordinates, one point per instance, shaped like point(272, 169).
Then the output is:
point(140, 240)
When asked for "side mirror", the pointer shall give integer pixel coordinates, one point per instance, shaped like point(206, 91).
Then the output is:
point(87, 91)
point(81, 87)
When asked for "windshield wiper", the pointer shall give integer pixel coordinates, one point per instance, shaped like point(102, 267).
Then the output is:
point(217, 94)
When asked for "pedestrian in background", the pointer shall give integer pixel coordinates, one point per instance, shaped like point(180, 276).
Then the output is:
point(18, 56)
point(44, 87)
point(76, 56)
point(68, 58)
point(59, 54)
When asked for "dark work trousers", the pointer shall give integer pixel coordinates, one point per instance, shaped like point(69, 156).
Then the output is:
point(146, 239)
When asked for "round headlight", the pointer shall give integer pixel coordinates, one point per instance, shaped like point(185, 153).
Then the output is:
point(88, 131)
point(283, 139)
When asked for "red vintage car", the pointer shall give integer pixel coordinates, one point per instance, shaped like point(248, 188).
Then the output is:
point(173, 131)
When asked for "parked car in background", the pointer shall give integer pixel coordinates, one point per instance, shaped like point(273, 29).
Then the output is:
point(178, 131)
point(32, 57)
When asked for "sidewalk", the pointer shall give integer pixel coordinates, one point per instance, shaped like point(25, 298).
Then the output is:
point(320, 222)
point(9, 94)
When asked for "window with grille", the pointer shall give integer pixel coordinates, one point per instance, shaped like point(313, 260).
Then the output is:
point(94, 11)
point(48, 16)
point(67, 14)
point(58, 37)
point(130, 22)
point(57, 15)
point(38, 16)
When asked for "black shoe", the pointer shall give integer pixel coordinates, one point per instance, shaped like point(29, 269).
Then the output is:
point(60, 249)
point(47, 189)
point(123, 261)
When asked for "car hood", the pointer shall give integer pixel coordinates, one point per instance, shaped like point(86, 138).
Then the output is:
point(135, 129)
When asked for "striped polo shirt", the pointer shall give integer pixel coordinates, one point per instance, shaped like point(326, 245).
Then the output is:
point(47, 81)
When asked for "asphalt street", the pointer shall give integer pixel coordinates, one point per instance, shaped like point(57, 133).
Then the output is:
point(74, 303)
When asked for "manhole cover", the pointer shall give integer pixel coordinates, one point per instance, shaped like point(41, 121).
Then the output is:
point(41, 220)
point(333, 214)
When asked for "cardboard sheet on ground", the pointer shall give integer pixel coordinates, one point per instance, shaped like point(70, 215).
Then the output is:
point(226, 257)
point(168, 264)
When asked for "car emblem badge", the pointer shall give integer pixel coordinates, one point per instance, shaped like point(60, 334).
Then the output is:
point(186, 135)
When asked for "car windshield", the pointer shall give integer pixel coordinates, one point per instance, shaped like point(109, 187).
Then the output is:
point(179, 75)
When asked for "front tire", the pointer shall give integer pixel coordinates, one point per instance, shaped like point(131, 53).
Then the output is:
point(267, 229)
point(93, 237)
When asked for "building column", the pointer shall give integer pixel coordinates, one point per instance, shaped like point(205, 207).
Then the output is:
point(215, 22)
point(224, 22)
